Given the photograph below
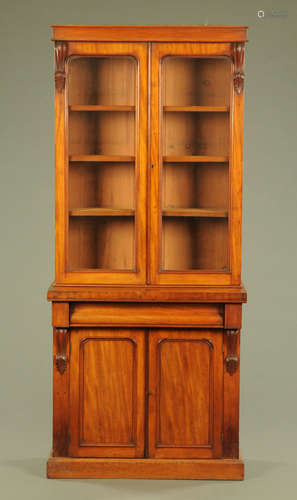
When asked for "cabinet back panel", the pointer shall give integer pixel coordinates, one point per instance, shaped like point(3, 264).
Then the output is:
point(102, 80)
point(81, 78)
point(177, 244)
point(82, 133)
point(82, 187)
point(116, 186)
point(211, 249)
point(116, 243)
point(194, 244)
point(192, 186)
point(196, 134)
point(101, 133)
point(101, 243)
point(82, 243)
point(111, 186)
point(196, 81)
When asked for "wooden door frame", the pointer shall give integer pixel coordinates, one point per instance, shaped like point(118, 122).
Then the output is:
point(139, 51)
point(199, 277)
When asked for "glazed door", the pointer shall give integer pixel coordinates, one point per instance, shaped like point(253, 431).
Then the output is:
point(196, 165)
point(101, 164)
point(107, 393)
point(185, 393)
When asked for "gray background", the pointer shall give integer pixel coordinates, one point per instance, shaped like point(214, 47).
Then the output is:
point(268, 396)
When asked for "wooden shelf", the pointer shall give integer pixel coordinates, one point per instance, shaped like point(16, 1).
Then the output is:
point(100, 107)
point(196, 159)
point(103, 212)
point(102, 158)
point(195, 212)
point(197, 109)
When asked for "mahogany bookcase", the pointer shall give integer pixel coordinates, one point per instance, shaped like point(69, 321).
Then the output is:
point(147, 298)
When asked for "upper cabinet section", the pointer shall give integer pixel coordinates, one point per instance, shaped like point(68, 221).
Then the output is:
point(148, 155)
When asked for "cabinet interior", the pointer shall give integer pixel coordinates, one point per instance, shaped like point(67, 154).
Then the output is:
point(195, 133)
point(194, 243)
point(195, 186)
point(101, 242)
point(102, 98)
point(102, 185)
point(102, 80)
point(195, 167)
point(193, 81)
point(101, 133)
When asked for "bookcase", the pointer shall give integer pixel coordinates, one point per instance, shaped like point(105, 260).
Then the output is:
point(147, 297)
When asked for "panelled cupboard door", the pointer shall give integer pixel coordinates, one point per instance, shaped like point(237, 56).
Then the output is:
point(196, 155)
point(185, 393)
point(101, 164)
point(107, 393)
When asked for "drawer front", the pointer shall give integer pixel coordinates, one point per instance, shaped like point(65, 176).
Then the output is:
point(135, 314)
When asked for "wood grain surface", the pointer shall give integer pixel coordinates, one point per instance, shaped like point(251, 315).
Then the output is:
point(107, 393)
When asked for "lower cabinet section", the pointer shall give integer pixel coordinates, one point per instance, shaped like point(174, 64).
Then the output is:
point(146, 393)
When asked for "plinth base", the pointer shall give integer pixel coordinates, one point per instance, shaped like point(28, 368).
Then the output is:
point(145, 468)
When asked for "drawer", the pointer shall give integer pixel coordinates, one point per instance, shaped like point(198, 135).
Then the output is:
point(146, 314)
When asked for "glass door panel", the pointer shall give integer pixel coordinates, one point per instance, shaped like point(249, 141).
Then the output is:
point(105, 182)
point(102, 163)
point(192, 164)
point(195, 127)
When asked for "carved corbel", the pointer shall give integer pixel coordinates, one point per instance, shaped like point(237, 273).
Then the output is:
point(61, 354)
point(231, 359)
point(60, 58)
point(238, 59)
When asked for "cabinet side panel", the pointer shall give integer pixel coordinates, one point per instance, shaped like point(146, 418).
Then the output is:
point(60, 314)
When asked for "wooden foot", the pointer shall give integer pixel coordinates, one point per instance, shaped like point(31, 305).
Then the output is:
point(145, 468)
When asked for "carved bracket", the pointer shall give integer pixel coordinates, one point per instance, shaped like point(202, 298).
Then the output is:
point(60, 58)
point(231, 358)
point(61, 355)
point(238, 58)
